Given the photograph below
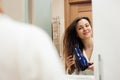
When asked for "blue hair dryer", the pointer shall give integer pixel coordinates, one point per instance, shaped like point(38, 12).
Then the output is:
point(81, 61)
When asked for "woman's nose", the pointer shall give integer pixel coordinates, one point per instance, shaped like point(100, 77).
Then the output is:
point(85, 28)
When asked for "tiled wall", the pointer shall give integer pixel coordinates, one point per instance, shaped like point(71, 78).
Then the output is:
point(56, 32)
point(58, 24)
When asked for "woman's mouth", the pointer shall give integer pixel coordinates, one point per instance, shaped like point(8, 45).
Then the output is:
point(87, 32)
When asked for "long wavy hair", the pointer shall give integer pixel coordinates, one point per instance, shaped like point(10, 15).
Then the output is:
point(71, 38)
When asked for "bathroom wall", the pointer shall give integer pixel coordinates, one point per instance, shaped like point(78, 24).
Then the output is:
point(106, 23)
point(41, 15)
point(15, 9)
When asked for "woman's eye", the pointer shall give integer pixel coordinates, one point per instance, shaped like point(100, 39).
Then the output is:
point(79, 28)
point(87, 25)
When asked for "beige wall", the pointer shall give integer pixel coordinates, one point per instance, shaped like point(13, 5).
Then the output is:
point(15, 9)
point(18, 9)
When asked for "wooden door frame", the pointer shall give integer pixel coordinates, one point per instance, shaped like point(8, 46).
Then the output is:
point(67, 8)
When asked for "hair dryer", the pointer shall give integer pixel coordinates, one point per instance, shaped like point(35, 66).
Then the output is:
point(81, 61)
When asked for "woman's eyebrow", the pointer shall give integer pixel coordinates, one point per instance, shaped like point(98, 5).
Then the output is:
point(79, 26)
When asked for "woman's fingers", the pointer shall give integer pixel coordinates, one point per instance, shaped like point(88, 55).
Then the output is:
point(70, 61)
point(69, 57)
point(91, 67)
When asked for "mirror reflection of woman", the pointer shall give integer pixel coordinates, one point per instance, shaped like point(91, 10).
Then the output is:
point(79, 32)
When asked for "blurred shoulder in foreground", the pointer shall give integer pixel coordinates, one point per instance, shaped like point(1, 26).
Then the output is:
point(27, 53)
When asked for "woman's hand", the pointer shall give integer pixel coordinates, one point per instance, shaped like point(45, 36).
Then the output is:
point(91, 67)
point(70, 61)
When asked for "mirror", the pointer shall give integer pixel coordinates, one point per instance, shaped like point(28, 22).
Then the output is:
point(64, 12)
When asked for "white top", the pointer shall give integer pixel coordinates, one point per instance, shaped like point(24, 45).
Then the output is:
point(27, 53)
point(86, 72)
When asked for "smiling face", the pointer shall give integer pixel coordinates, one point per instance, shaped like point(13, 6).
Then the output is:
point(84, 29)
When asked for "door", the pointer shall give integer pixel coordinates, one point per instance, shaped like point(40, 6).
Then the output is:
point(77, 8)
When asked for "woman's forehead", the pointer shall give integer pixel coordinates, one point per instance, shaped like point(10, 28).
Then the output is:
point(82, 22)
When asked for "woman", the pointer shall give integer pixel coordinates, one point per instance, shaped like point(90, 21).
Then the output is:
point(79, 32)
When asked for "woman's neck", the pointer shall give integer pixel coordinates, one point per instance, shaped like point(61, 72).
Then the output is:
point(88, 43)
point(88, 47)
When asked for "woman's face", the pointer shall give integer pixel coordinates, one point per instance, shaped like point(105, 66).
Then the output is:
point(84, 29)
